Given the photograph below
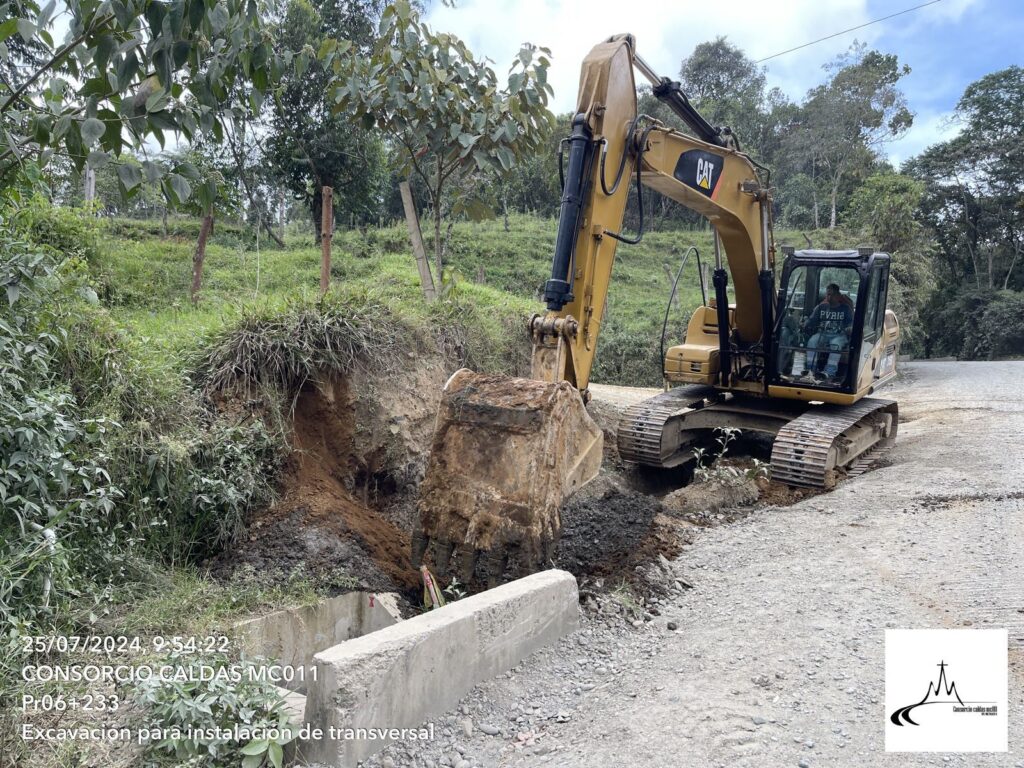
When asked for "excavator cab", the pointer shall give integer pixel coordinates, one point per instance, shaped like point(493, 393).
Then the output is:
point(830, 322)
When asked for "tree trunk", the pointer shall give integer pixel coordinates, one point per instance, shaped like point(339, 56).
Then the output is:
point(90, 185)
point(967, 231)
point(200, 256)
point(832, 200)
point(1013, 263)
point(814, 195)
point(416, 236)
point(282, 213)
point(270, 231)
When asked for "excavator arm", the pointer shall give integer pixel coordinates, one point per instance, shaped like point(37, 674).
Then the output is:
point(607, 144)
point(507, 452)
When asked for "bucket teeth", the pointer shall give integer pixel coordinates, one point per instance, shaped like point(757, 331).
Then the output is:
point(420, 542)
point(442, 554)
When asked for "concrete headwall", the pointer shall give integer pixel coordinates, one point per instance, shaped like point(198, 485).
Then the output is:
point(294, 635)
point(401, 676)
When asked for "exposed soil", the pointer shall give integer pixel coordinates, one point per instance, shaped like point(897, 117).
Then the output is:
point(608, 531)
point(357, 445)
point(349, 493)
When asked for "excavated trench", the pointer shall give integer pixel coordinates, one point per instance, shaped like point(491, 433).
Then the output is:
point(347, 500)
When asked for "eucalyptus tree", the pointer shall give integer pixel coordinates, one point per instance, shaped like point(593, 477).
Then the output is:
point(443, 110)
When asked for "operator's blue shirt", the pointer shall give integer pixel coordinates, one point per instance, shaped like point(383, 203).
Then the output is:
point(830, 320)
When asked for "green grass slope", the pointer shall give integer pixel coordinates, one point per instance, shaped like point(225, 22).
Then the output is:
point(495, 280)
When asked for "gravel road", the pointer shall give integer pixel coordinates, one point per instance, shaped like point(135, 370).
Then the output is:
point(778, 658)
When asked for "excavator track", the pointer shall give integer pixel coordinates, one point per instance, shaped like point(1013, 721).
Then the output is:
point(811, 442)
point(808, 450)
point(642, 427)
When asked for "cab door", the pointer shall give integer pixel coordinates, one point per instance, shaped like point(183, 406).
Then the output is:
point(872, 353)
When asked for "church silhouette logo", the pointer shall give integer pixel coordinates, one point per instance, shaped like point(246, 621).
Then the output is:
point(942, 691)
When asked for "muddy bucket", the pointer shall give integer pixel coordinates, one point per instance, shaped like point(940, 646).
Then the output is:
point(506, 453)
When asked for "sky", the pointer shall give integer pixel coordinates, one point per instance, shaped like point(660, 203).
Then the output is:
point(947, 44)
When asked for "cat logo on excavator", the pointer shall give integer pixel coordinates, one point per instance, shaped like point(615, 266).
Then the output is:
point(704, 171)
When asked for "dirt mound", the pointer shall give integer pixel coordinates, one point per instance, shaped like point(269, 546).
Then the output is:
point(711, 497)
point(356, 444)
point(608, 531)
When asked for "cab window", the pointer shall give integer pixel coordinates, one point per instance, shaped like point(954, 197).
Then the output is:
point(815, 329)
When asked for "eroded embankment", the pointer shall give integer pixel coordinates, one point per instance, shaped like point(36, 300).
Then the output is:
point(347, 499)
point(344, 512)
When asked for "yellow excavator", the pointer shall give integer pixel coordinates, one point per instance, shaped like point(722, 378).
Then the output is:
point(795, 357)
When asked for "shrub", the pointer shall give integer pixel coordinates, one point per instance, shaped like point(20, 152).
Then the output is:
point(977, 324)
point(286, 348)
point(54, 475)
point(1001, 327)
point(191, 492)
point(66, 232)
point(217, 705)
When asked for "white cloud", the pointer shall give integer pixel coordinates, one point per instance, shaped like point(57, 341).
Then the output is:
point(665, 33)
point(668, 32)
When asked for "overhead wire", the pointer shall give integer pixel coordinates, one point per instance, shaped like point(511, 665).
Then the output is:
point(851, 29)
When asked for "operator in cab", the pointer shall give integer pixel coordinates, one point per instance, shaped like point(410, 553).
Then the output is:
point(831, 323)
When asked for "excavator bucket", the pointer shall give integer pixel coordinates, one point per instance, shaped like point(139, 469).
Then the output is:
point(506, 453)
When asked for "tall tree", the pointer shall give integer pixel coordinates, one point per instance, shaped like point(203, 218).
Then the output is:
point(884, 211)
point(310, 145)
point(845, 122)
point(728, 89)
point(443, 109)
point(975, 192)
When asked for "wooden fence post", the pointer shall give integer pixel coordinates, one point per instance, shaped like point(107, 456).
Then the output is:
point(326, 233)
point(426, 278)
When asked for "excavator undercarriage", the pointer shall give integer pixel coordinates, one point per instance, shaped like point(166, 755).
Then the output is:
point(812, 443)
